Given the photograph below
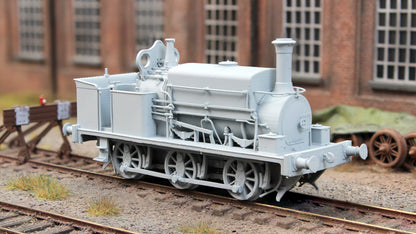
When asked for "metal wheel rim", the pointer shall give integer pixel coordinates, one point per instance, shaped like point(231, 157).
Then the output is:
point(245, 175)
point(182, 165)
point(388, 148)
point(127, 155)
point(410, 162)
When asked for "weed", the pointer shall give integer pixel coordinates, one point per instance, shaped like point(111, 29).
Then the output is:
point(102, 206)
point(43, 187)
point(200, 227)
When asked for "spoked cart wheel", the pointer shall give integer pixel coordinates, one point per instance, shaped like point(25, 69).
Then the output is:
point(410, 162)
point(388, 148)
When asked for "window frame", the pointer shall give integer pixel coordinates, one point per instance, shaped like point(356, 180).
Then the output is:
point(394, 83)
point(299, 59)
point(156, 32)
point(87, 60)
point(245, 40)
point(14, 38)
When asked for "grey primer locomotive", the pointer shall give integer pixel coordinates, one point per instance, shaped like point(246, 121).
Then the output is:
point(239, 128)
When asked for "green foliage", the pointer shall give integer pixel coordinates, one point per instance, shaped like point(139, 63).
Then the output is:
point(200, 227)
point(102, 206)
point(42, 186)
point(345, 119)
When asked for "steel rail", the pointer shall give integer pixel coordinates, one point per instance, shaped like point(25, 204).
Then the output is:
point(386, 212)
point(9, 231)
point(62, 219)
point(280, 211)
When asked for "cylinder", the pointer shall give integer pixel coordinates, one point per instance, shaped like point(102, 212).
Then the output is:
point(284, 50)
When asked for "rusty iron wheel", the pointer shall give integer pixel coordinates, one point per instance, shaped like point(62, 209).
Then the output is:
point(388, 148)
point(410, 162)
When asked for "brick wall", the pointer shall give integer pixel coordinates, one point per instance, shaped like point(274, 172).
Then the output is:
point(346, 64)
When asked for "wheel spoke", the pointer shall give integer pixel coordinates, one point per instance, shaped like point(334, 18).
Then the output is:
point(377, 144)
point(233, 168)
point(389, 138)
point(389, 158)
point(249, 186)
point(250, 179)
point(187, 162)
point(249, 172)
point(188, 175)
point(382, 139)
point(383, 158)
point(231, 174)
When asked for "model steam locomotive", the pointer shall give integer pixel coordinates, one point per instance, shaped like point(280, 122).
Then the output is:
point(239, 128)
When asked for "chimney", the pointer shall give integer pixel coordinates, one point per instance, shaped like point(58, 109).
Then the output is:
point(171, 59)
point(284, 50)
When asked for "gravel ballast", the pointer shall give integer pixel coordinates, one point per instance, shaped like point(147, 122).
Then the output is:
point(146, 212)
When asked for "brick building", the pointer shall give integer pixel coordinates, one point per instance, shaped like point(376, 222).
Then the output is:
point(356, 52)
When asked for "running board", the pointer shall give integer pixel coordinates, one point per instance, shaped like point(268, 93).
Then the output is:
point(175, 178)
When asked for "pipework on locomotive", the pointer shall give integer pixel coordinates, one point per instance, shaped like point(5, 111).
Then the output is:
point(240, 128)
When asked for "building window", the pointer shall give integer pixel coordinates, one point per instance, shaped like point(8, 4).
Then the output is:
point(302, 21)
point(395, 41)
point(221, 30)
point(87, 31)
point(31, 29)
point(148, 22)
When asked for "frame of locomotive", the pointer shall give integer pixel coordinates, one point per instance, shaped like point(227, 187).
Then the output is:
point(243, 129)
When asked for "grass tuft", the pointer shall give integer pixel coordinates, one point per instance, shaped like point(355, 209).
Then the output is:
point(102, 206)
point(42, 186)
point(200, 227)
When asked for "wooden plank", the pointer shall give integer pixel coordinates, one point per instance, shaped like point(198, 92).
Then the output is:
point(38, 114)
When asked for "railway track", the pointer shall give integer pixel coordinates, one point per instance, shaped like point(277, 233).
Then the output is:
point(299, 211)
point(20, 219)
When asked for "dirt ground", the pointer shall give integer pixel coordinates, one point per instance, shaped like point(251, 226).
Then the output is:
point(358, 182)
